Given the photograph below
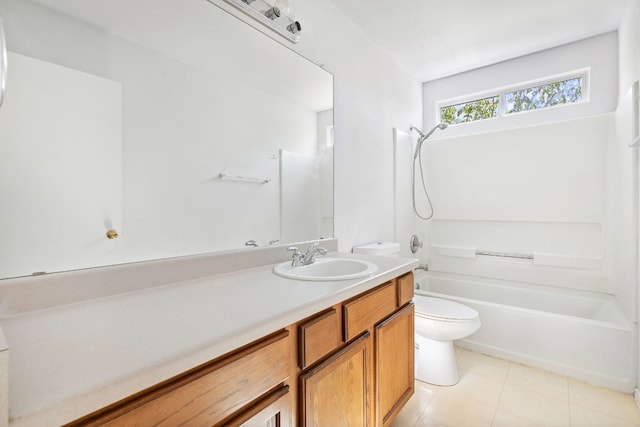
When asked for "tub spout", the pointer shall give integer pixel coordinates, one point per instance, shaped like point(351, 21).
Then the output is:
point(424, 267)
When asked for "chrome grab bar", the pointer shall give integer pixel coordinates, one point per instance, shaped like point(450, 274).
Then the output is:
point(504, 255)
point(3, 61)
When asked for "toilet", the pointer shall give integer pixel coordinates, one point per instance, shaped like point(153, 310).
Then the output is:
point(437, 323)
point(391, 249)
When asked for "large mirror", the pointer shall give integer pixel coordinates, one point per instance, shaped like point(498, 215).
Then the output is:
point(169, 122)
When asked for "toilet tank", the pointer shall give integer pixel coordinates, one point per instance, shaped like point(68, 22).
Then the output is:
point(378, 249)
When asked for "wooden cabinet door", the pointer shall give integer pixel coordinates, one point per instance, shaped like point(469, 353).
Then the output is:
point(336, 393)
point(394, 344)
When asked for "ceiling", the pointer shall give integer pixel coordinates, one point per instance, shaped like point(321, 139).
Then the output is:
point(437, 38)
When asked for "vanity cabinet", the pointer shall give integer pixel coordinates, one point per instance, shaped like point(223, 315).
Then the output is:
point(211, 393)
point(369, 377)
point(351, 364)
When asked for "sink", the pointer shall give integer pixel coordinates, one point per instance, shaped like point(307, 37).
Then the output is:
point(327, 269)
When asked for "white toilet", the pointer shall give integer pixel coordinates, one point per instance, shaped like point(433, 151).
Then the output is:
point(437, 323)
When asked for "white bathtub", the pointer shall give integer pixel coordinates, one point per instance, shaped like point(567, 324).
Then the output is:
point(580, 334)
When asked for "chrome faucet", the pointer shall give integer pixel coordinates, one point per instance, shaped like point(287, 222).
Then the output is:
point(311, 253)
point(298, 258)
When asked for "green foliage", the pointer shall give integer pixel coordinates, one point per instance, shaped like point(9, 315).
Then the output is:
point(548, 95)
point(485, 108)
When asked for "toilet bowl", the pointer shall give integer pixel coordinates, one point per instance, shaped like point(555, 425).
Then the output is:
point(437, 323)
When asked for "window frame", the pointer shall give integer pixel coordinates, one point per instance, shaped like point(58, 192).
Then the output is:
point(500, 92)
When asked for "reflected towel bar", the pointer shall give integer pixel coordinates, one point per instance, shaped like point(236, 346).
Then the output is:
point(504, 255)
point(244, 178)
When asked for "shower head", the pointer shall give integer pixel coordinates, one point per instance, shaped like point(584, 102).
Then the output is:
point(423, 136)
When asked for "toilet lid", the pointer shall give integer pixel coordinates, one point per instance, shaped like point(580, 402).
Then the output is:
point(443, 309)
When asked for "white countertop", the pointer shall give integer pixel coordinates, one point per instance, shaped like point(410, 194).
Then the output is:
point(70, 360)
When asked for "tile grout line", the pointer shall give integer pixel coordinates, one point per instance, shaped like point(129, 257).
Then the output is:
point(504, 383)
point(569, 399)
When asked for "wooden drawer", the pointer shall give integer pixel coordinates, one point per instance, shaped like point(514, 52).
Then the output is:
point(273, 410)
point(363, 312)
point(206, 395)
point(318, 337)
point(405, 289)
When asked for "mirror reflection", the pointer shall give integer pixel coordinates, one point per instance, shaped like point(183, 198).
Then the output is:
point(170, 125)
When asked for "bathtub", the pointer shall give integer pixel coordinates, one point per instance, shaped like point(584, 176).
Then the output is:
point(583, 335)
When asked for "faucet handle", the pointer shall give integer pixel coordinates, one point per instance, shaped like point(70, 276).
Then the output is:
point(296, 257)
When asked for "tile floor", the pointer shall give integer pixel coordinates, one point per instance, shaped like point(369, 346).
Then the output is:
point(497, 393)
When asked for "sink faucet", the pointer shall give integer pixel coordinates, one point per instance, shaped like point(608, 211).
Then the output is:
point(298, 258)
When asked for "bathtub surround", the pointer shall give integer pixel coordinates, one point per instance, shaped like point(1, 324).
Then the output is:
point(519, 191)
point(536, 183)
point(629, 51)
point(558, 185)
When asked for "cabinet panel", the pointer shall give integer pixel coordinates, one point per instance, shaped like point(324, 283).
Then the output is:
point(336, 392)
point(273, 411)
point(405, 289)
point(394, 350)
point(363, 312)
point(318, 337)
point(208, 394)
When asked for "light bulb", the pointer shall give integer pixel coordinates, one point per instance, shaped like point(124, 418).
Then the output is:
point(283, 5)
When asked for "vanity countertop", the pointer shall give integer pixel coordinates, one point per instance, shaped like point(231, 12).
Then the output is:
point(69, 360)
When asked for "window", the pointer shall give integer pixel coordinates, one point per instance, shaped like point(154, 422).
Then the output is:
point(543, 96)
point(471, 111)
point(548, 93)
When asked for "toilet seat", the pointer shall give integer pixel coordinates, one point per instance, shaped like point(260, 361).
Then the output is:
point(444, 310)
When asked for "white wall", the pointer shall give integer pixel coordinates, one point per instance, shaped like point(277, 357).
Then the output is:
point(599, 53)
point(537, 183)
point(372, 96)
point(325, 169)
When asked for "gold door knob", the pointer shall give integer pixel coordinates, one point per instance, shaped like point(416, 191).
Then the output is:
point(112, 234)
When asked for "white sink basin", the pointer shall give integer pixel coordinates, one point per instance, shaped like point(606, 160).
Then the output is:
point(326, 269)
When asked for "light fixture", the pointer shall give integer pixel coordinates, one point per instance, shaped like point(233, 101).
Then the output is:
point(272, 14)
